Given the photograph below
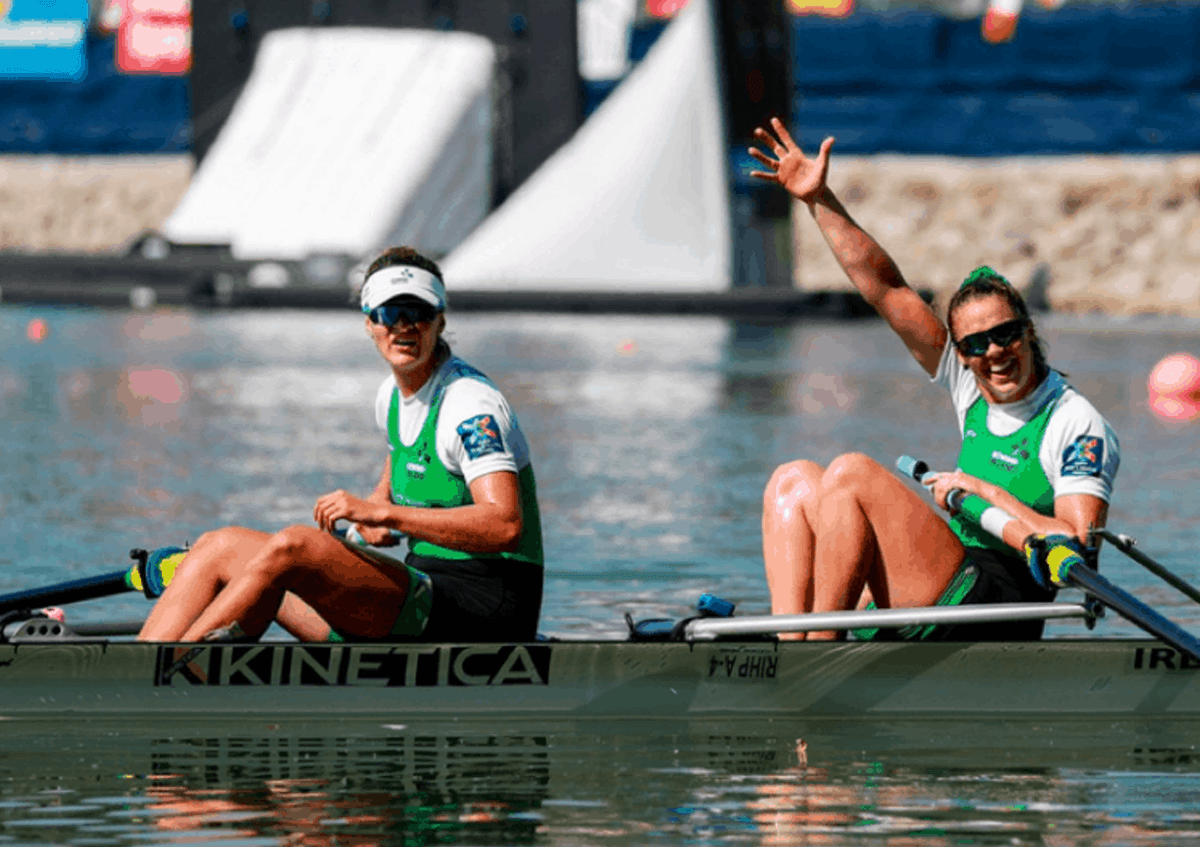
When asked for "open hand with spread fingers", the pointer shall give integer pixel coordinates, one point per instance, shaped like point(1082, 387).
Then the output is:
point(804, 178)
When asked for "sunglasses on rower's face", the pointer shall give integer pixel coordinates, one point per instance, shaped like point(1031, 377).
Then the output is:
point(1002, 335)
point(390, 314)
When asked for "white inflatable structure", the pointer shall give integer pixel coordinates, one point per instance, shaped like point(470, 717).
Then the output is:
point(638, 199)
point(346, 141)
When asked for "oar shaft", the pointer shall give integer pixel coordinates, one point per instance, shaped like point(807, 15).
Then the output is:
point(67, 592)
point(1149, 564)
point(1132, 609)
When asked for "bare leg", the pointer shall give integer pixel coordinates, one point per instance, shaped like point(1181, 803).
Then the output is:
point(301, 619)
point(873, 530)
point(215, 559)
point(789, 513)
point(351, 593)
point(208, 566)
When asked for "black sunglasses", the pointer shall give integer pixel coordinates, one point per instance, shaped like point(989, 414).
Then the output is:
point(1002, 335)
point(390, 314)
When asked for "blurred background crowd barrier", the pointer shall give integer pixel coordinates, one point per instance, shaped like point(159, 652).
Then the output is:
point(975, 79)
point(140, 76)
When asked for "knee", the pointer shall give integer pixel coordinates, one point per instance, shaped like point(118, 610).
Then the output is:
point(215, 541)
point(790, 485)
point(288, 551)
point(228, 543)
point(851, 471)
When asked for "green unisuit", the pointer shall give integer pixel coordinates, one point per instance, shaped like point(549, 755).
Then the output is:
point(1010, 462)
point(419, 478)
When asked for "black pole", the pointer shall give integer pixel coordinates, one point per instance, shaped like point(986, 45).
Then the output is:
point(88, 588)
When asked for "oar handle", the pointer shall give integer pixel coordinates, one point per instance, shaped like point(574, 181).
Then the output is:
point(980, 511)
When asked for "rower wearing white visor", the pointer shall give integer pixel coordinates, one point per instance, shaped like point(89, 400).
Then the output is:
point(457, 486)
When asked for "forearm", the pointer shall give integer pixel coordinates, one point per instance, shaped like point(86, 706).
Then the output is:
point(475, 528)
point(864, 260)
point(1026, 521)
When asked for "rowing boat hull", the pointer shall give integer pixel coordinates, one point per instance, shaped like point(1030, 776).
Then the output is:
point(582, 679)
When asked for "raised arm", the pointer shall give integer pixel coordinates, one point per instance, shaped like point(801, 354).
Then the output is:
point(863, 259)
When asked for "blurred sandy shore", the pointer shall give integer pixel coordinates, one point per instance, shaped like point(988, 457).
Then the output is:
point(86, 203)
point(1120, 234)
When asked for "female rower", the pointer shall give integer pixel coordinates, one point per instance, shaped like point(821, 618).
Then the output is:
point(457, 482)
point(1032, 446)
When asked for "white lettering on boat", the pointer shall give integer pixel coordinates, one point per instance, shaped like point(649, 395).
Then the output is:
point(384, 665)
point(743, 666)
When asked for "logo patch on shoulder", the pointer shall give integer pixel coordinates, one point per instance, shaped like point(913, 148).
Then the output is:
point(481, 436)
point(1084, 457)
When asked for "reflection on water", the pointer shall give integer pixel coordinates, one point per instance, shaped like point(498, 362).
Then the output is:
point(653, 438)
point(345, 782)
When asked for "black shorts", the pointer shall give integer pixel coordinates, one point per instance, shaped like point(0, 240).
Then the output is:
point(481, 599)
point(998, 578)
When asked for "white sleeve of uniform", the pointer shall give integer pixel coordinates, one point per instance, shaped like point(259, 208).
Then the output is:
point(383, 402)
point(477, 433)
point(956, 378)
point(1080, 453)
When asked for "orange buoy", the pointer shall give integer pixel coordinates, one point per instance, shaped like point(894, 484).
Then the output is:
point(1174, 388)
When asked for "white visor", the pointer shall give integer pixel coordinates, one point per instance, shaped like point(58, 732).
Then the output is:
point(399, 281)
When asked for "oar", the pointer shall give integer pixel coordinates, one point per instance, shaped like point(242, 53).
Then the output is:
point(150, 575)
point(1124, 543)
point(1068, 568)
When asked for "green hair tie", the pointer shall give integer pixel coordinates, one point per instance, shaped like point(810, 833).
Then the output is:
point(980, 274)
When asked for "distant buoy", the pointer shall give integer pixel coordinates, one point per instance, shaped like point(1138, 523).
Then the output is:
point(142, 298)
point(1174, 388)
point(37, 330)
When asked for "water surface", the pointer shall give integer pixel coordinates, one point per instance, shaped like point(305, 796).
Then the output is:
point(653, 438)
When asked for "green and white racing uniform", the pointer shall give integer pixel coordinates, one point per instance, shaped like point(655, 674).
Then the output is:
point(1051, 444)
point(457, 428)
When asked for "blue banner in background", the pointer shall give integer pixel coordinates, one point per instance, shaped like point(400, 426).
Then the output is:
point(1083, 79)
point(43, 39)
point(105, 112)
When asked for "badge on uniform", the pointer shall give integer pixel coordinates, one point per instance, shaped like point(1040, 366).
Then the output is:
point(1084, 457)
point(481, 436)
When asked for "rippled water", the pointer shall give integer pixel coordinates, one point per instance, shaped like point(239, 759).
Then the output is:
point(652, 439)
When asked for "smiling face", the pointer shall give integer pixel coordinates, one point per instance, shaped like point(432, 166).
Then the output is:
point(410, 348)
point(1004, 374)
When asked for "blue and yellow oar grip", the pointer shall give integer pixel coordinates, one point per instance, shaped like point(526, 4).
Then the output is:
point(160, 570)
point(1060, 560)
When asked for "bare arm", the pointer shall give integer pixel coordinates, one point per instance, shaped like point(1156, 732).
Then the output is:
point(491, 524)
point(380, 536)
point(1074, 514)
point(866, 263)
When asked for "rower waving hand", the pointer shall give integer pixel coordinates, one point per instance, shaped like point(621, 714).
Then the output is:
point(1032, 445)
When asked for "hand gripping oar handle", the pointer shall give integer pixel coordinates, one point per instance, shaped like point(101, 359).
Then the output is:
point(980, 511)
point(1068, 568)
